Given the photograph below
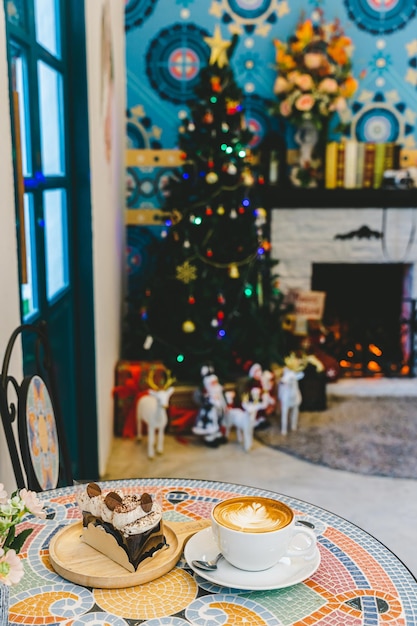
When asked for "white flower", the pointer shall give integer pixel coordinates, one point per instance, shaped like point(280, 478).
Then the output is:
point(3, 494)
point(11, 567)
point(32, 503)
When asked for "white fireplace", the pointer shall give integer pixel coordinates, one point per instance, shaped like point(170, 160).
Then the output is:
point(306, 239)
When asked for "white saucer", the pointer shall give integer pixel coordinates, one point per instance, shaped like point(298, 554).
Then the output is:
point(289, 571)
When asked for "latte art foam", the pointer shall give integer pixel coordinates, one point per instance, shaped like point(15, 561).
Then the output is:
point(253, 515)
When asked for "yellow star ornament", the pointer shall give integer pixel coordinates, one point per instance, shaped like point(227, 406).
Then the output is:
point(186, 272)
point(218, 47)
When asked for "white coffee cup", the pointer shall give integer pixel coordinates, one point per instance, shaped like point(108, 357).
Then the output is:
point(253, 533)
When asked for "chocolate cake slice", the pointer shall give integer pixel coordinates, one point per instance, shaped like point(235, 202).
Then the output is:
point(128, 529)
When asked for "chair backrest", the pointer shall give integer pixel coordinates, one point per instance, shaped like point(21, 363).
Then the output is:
point(37, 447)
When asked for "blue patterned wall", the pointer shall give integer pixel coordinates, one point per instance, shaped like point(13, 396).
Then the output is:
point(165, 48)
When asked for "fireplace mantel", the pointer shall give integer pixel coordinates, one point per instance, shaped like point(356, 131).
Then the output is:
point(276, 197)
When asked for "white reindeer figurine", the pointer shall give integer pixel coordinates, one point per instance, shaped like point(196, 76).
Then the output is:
point(243, 419)
point(151, 409)
point(289, 396)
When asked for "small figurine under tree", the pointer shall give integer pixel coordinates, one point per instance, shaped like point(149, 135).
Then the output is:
point(212, 407)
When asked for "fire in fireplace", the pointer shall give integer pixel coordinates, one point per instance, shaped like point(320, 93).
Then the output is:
point(369, 317)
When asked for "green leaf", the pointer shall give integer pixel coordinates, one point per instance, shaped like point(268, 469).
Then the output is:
point(10, 537)
point(20, 539)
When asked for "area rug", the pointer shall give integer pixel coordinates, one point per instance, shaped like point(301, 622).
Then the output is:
point(373, 436)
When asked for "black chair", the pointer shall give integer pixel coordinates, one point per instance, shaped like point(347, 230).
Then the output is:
point(37, 446)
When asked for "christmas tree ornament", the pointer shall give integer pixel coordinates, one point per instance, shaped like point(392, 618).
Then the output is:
point(260, 216)
point(248, 178)
point(233, 107)
point(147, 344)
point(208, 117)
point(188, 326)
point(233, 271)
point(186, 272)
point(231, 169)
point(212, 178)
point(218, 48)
point(216, 84)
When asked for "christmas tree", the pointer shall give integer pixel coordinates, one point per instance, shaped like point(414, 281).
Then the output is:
point(211, 295)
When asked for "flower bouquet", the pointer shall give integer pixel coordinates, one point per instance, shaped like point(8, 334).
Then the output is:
point(314, 81)
point(12, 512)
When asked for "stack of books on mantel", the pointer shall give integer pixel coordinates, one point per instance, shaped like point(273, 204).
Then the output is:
point(359, 165)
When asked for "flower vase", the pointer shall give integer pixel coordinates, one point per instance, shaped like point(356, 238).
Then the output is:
point(4, 605)
point(309, 170)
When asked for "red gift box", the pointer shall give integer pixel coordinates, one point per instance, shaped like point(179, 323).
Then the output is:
point(132, 381)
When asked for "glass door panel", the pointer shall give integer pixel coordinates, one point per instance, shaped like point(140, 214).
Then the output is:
point(30, 288)
point(16, 12)
point(46, 20)
point(51, 111)
point(56, 237)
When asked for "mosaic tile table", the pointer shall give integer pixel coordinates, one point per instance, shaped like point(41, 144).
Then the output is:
point(358, 582)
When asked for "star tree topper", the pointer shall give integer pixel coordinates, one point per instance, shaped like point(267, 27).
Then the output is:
point(218, 47)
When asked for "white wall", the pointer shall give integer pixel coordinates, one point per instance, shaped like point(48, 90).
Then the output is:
point(107, 191)
point(9, 281)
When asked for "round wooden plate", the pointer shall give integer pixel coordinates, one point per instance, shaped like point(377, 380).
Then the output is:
point(79, 563)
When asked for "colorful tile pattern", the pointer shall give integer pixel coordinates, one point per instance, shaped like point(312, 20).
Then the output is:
point(359, 581)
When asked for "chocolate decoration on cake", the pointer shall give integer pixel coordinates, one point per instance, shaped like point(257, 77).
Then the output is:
point(146, 502)
point(112, 500)
point(93, 490)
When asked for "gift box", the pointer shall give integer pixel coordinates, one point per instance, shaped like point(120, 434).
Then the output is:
point(183, 410)
point(132, 379)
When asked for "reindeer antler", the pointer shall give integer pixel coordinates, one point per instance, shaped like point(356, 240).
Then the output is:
point(152, 384)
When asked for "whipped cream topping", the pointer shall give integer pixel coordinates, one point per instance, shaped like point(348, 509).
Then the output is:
point(128, 516)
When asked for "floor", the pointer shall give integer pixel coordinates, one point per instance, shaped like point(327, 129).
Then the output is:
point(384, 507)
